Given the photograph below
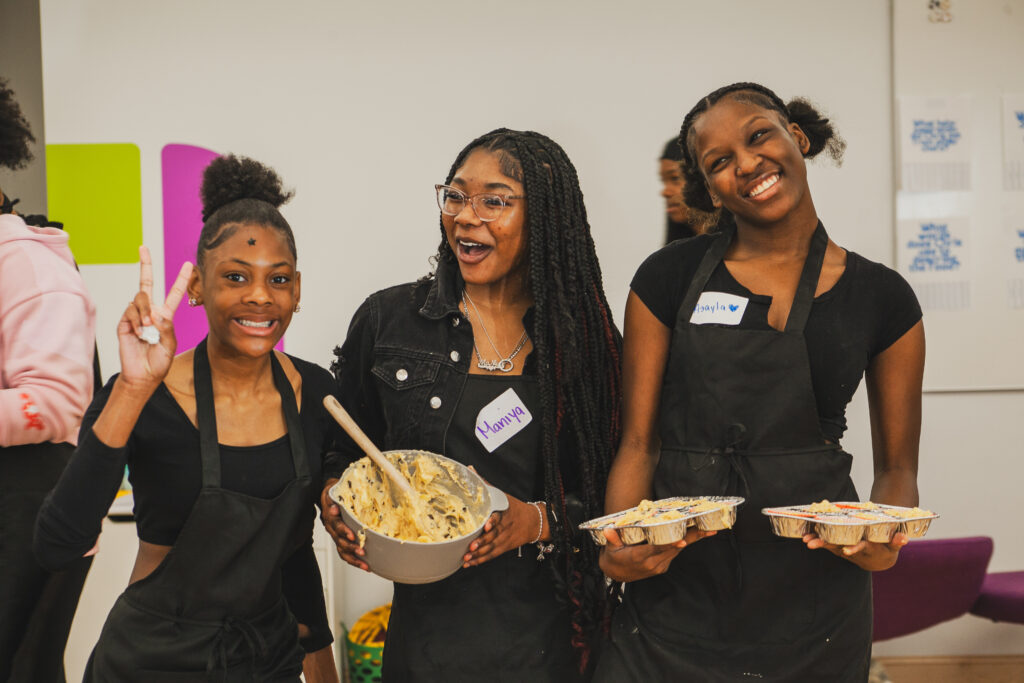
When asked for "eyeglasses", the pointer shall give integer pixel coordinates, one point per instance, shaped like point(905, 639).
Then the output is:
point(487, 205)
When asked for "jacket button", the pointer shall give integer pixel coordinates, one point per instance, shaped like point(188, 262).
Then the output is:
point(435, 402)
point(402, 374)
point(455, 321)
point(454, 356)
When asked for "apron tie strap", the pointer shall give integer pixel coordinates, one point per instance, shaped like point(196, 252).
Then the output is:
point(251, 637)
point(734, 435)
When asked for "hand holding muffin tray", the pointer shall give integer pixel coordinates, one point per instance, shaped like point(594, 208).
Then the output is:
point(660, 522)
point(846, 523)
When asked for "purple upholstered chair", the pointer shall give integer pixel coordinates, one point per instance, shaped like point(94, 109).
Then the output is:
point(1002, 597)
point(933, 581)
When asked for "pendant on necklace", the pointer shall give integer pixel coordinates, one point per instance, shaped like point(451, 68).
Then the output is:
point(503, 365)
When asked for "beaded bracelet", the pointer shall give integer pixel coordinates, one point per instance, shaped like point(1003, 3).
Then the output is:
point(540, 520)
point(543, 548)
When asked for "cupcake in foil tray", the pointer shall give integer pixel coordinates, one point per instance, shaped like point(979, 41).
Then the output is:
point(846, 523)
point(914, 522)
point(665, 521)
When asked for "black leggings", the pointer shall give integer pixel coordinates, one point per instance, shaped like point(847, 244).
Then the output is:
point(36, 606)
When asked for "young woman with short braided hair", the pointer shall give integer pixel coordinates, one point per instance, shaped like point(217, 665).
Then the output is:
point(742, 349)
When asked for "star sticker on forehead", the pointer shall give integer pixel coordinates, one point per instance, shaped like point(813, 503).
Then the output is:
point(252, 242)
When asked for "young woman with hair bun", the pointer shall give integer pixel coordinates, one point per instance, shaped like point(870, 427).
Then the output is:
point(223, 445)
point(742, 349)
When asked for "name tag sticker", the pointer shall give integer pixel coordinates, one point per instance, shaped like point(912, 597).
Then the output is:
point(501, 419)
point(719, 308)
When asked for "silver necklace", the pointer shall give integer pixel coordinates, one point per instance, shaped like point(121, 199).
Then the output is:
point(502, 364)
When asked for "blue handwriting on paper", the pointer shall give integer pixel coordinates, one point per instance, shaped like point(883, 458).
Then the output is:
point(1018, 252)
point(486, 428)
point(933, 249)
point(935, 135)
point(713, 307)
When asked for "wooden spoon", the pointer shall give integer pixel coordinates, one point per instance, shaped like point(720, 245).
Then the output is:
point(363, 441)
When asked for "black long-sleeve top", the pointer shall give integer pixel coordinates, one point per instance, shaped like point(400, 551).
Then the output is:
point(165, 470)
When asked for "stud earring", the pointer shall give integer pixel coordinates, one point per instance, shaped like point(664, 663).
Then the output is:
point(297, 307)
point(193, 302)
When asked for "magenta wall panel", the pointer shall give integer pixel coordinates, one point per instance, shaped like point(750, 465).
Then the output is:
point(182, 169)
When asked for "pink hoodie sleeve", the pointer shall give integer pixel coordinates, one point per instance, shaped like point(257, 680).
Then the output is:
point(47, 332)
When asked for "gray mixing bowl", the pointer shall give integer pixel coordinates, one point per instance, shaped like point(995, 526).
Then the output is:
point(412, 562)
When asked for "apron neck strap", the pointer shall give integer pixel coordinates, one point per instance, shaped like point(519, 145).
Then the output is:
point(712, 257)
point(804, 297)
point(206, 417)
point(292, 422)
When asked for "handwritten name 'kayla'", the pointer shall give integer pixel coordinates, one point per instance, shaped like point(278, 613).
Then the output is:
point(715, 307)
point(486, 429)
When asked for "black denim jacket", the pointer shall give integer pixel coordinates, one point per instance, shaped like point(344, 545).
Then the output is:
point(403, 366)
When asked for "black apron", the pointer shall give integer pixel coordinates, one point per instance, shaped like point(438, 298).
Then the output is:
point(500, 621)
point(739, 417)
point(213, 609)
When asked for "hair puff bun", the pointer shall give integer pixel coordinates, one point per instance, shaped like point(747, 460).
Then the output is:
point(229, 178)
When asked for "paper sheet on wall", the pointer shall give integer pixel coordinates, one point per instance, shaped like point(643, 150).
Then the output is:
point(934, 255)
point(935, 143)
point(1012, 248)
point(1013, 142)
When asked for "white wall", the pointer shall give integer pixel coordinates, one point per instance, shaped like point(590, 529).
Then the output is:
point(362, 106)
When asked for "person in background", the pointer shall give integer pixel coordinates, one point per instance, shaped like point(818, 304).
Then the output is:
point(742, 349)
point(47, 323)
point(514, 312)
point(223, 445)
point(681, 221)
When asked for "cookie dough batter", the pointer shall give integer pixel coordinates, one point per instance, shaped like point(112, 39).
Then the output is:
point(444, 511)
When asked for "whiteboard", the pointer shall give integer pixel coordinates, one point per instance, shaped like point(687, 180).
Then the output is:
point(974, 318)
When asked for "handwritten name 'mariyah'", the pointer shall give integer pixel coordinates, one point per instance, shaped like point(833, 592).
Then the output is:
point(487, 429)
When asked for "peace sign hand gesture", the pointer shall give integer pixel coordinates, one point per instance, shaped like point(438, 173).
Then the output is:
point(144, 359)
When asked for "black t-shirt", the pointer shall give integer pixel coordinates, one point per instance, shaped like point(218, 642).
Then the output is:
point(677, 230)
point(869, 308)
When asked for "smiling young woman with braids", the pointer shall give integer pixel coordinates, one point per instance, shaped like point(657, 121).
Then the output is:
point(742, 349)
point(513, 315)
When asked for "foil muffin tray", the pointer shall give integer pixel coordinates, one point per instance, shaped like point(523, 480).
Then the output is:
point(665, 521)
point(846, 523)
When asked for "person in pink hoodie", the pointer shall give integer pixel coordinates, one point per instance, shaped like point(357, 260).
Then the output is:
point(47, 326)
